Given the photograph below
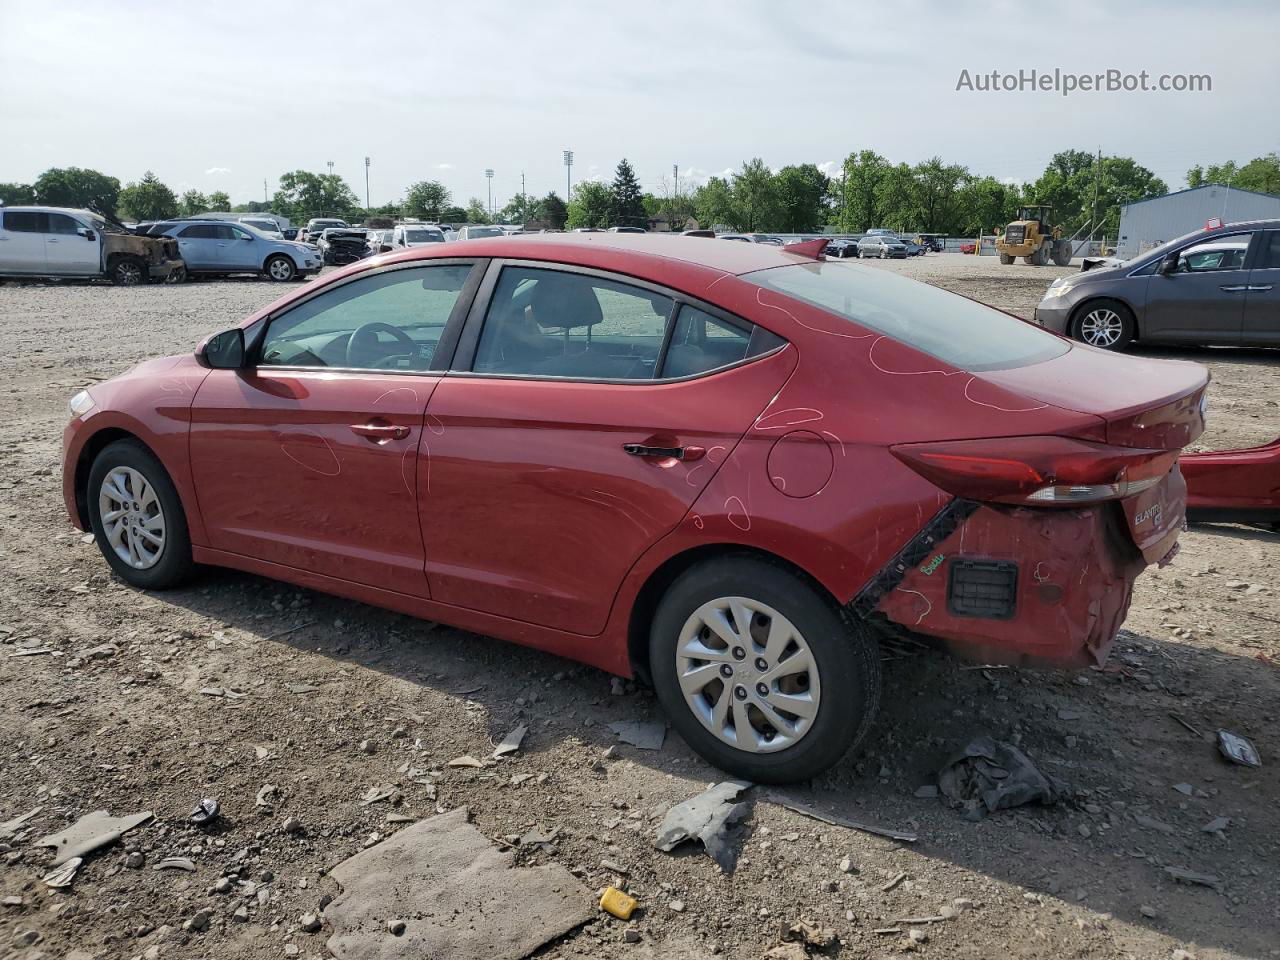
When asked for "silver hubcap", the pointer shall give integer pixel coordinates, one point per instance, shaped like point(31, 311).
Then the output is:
point(132, 519)
point(748, 675)
point(1101, 327)
point(130, 272)
point(280, 270)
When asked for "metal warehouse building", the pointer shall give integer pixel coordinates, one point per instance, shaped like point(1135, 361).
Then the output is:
point(1149, 223)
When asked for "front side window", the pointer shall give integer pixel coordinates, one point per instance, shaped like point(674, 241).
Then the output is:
point(24, 222)
point(954, 329)
point(1270, 259)
point(61, 223)
point(387, 321)
point(1220, 253)
point(550, 323)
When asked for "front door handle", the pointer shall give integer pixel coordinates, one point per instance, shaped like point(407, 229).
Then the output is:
point(1234, 288)
point(380, 432)
point(1261, 289)
point(672, 453)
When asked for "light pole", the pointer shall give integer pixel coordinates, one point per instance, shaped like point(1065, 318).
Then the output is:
point(489, 176)
point(330, 168)
point(366, 184)
point(568, 168)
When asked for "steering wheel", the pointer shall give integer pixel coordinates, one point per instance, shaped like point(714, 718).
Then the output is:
point(364, 348)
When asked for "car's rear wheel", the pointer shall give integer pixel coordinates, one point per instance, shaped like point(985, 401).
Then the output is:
point(137, 518)
point(1106, 324)
point(762, 674)
point(280, 268)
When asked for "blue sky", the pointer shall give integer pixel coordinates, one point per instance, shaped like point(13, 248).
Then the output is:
point(222, 96)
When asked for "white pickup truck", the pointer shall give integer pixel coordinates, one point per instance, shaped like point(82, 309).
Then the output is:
point(56, 242)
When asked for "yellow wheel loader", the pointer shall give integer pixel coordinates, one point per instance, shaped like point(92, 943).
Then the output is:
point(1033, 238)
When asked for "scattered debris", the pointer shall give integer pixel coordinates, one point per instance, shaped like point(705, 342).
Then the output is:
point(616, 903)
point(62, 876)
point(267, 797)
point(452, 881)
point(646, 736)
point(539, 838)
point(837, 820)
point(205, 812)
point(465, 761)
point(1151, 823)
point(292, 825)
point(706, 817)
point(302, 688)
point(1238, 749)
point(176, 863)
point(94, 830)
point(1190, 876)
point(676, 906)
point(377, 795)
point(896, 879)
point(511, 742)
point(1187, 725)
point(786, 951)
point(10, 828)
point(809, 933)
point(848, 866)
point(1216, 824)
point(1184, 788)
point(988, 775)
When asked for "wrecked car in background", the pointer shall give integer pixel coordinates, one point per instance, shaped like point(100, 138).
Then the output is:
point(727, 466)
point(58, 242)
point(1234, 486)
point(340, 245)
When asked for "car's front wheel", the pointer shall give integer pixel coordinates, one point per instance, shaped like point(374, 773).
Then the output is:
point(128, 272)
point(762, 674)
point(137, 518)
point(1106, 324)
point(281, 268)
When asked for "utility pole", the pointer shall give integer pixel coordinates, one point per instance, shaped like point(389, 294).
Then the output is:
point(264, 191)
point(568, 168)
point(330, 168)
point(366, 184)
point(1097, 176)
point(524, 197)
point(489, 176)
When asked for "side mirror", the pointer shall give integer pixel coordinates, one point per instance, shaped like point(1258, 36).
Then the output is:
point(222, 351)
point(87, 233)
point(1168, 265)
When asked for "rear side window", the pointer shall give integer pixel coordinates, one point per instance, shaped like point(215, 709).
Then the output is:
point(955, 330)
point(25, 222)
point(701, 342)
point(1270, 259)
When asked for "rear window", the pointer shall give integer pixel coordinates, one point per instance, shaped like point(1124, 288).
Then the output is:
point(953, 329)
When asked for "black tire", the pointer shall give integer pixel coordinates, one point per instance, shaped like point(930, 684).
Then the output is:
point(174, 563)
point(1006, 258)
point(280, 268)
point(176, 275)
point(1092, 313)
point(1062, 253)
point(845, 652)
point(128, 272)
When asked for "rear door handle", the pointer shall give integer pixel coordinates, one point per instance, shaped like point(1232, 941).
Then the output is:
point(1261, 289)
point(380, 431)
point(673, 453)
point(1234, 288)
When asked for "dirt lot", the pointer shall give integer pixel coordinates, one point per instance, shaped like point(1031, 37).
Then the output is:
point(325, 698)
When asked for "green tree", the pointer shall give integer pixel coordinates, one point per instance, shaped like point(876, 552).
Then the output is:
point(983, 204)
point(15, 193)
point(803, 192)
point(78, 187)
point(626, 200)
point(193, 202)
point(554, 211)
point(714, 205)
point(591, 205)
point(522, 209)
point(303, 194)
point(453, 215)
point(426, 199)
point(937, 186)
point(860, 191)
point(148, 199)
point(220, 201)
point(476, 212)
point(755, 197)
point(1261, 174)
point(898, 198)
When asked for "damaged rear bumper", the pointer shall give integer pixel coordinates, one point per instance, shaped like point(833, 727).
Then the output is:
point(1027, 585)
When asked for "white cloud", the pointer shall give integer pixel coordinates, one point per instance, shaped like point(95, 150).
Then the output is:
point(444, 166)
point(830, 167)
point(217, 171)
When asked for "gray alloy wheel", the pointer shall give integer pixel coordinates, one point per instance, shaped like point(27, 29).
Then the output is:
point(128, 272)
point(1101, 327)
point(132, 517)
point(280, 268)
point(748, 675)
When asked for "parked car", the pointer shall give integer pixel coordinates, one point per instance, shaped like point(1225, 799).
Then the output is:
point(1214, 286)
point(1234, 486)
point(913, 249)
point(637, 460)
point(766, 238)
point(842, 247)
point(339, 246)
point(740, 237)
point(881, 246)
point(60, 242)
point(969, 247)
point(416, 234)
point(318, 225)
point(932, 241)
point(264, 225)
point(628, 230)
point(474, 232)
point(380, 241)
point(710, 234)
point(219, 248)
point(589, 230)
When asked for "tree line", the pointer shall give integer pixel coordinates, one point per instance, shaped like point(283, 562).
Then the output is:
point(1085, 190)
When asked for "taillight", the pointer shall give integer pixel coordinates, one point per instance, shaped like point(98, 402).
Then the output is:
point(1037, 471)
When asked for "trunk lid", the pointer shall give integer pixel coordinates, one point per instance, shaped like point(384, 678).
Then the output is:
point(1152, 404)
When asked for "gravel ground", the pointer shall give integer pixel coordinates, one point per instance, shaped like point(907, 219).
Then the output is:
point(328, 698)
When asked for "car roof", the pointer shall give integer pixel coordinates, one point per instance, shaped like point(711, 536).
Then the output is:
point(30, 208)
point(734, 258)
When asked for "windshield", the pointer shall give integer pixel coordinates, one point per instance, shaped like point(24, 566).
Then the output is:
point(473, 232)
point(325, 224)
point(424, 236)
point(101, 225)
point(956, 330)
point(264, 225)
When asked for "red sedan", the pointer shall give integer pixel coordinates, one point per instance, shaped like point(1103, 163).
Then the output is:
point(723, 466)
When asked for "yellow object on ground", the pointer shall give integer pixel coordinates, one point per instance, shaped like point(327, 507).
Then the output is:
point(618, 903)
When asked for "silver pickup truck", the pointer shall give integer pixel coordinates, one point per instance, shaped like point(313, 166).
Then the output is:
point(56, 242)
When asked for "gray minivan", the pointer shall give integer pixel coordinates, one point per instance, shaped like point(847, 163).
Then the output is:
point(1216, 286)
